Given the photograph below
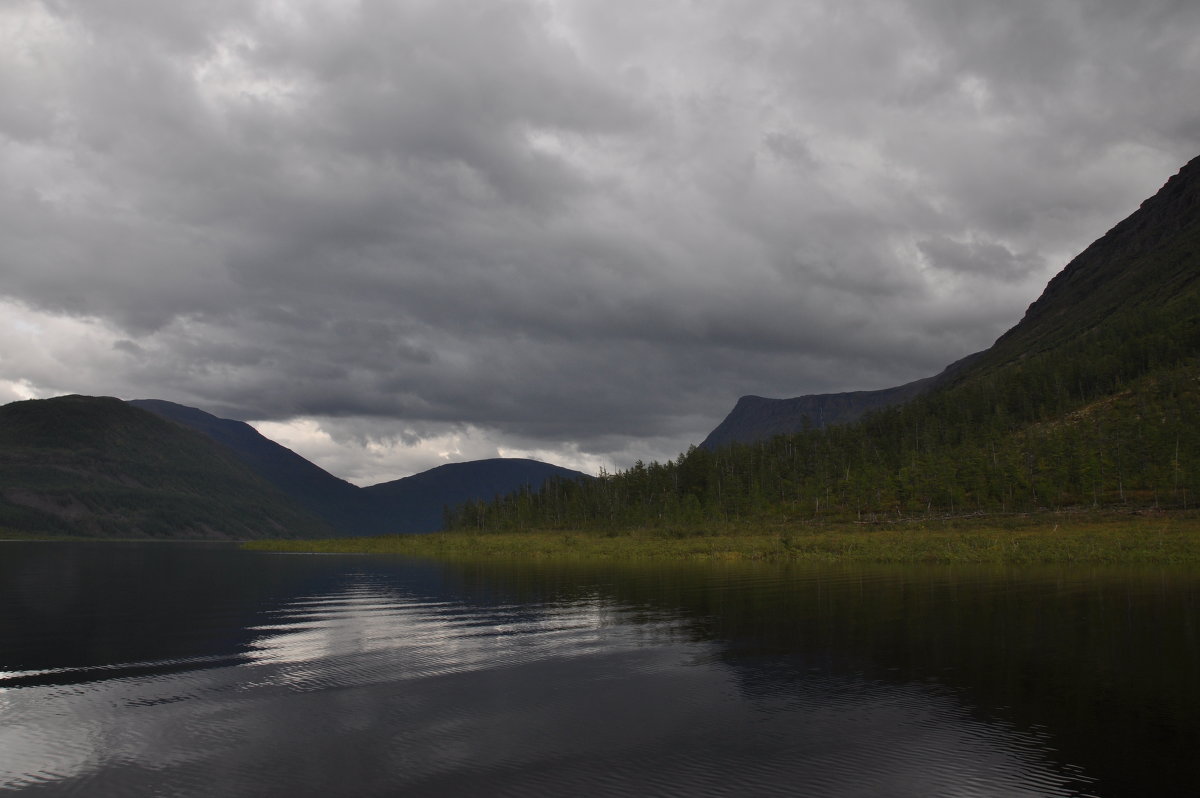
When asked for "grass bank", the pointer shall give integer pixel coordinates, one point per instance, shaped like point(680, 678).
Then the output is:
point(1146, 538)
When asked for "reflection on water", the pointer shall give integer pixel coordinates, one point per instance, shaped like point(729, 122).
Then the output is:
point(299, 675)
point(419, 637)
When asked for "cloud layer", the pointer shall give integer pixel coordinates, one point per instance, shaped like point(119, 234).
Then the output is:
point(534, 226)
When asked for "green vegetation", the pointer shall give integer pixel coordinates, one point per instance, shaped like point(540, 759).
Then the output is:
point(1089, 404)
point(1073, 439)
point(1135, 448)
point(1092, 401)
point(1102, 537)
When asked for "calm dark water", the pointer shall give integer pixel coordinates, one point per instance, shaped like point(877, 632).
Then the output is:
point(178, 669)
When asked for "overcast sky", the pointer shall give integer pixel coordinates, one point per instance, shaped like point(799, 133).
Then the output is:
point(398, 233)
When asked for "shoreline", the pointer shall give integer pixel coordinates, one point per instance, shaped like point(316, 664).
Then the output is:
point(1100, 537)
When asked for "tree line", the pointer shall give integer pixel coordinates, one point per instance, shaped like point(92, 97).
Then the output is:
point(1108, 417)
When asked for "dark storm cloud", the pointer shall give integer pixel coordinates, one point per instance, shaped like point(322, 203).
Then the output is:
point(571, 227)
point(986, 259)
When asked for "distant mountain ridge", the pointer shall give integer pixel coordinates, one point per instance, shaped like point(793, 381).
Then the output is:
point(340, 503)
point(100, 467)
point(412, 504)
point(757, 418)
point(95, 466)
point(417, 502)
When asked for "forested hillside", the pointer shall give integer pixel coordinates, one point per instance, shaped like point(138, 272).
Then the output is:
point(1092, 399)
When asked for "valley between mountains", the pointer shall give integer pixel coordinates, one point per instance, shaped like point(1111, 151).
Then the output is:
point(1090, 403)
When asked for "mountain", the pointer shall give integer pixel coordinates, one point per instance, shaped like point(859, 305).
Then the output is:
point(342, 505)
point(756, 418)
point(96, 466)
point(1090, 400)
point(416, 503)
point(1139, 277)
point(1136, 286)
point(411, 504)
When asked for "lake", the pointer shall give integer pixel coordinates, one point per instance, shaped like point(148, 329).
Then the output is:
point(197, 669)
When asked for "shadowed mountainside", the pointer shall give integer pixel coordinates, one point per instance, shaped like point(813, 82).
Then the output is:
point(100, 467)
point(341, 504)
point(411, 504)
point(95, 466)
point(416, 503)
point(756, 418)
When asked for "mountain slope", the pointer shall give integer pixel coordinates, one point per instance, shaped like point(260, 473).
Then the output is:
point(412, 504)
point(1137, 282)
point(96, 466)
point(1131, 292)
point(756, 418)
point(417, 502)
point(343, 505)
point(1092, 399)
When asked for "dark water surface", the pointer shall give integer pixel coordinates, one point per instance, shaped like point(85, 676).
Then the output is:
point(179, 669)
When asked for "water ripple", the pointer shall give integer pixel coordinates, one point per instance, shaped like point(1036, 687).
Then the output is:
point(372, 690)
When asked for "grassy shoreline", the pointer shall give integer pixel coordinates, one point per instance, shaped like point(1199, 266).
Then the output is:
point(1165, 538)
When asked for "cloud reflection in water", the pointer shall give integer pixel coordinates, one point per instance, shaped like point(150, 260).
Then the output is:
point(370, 686)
